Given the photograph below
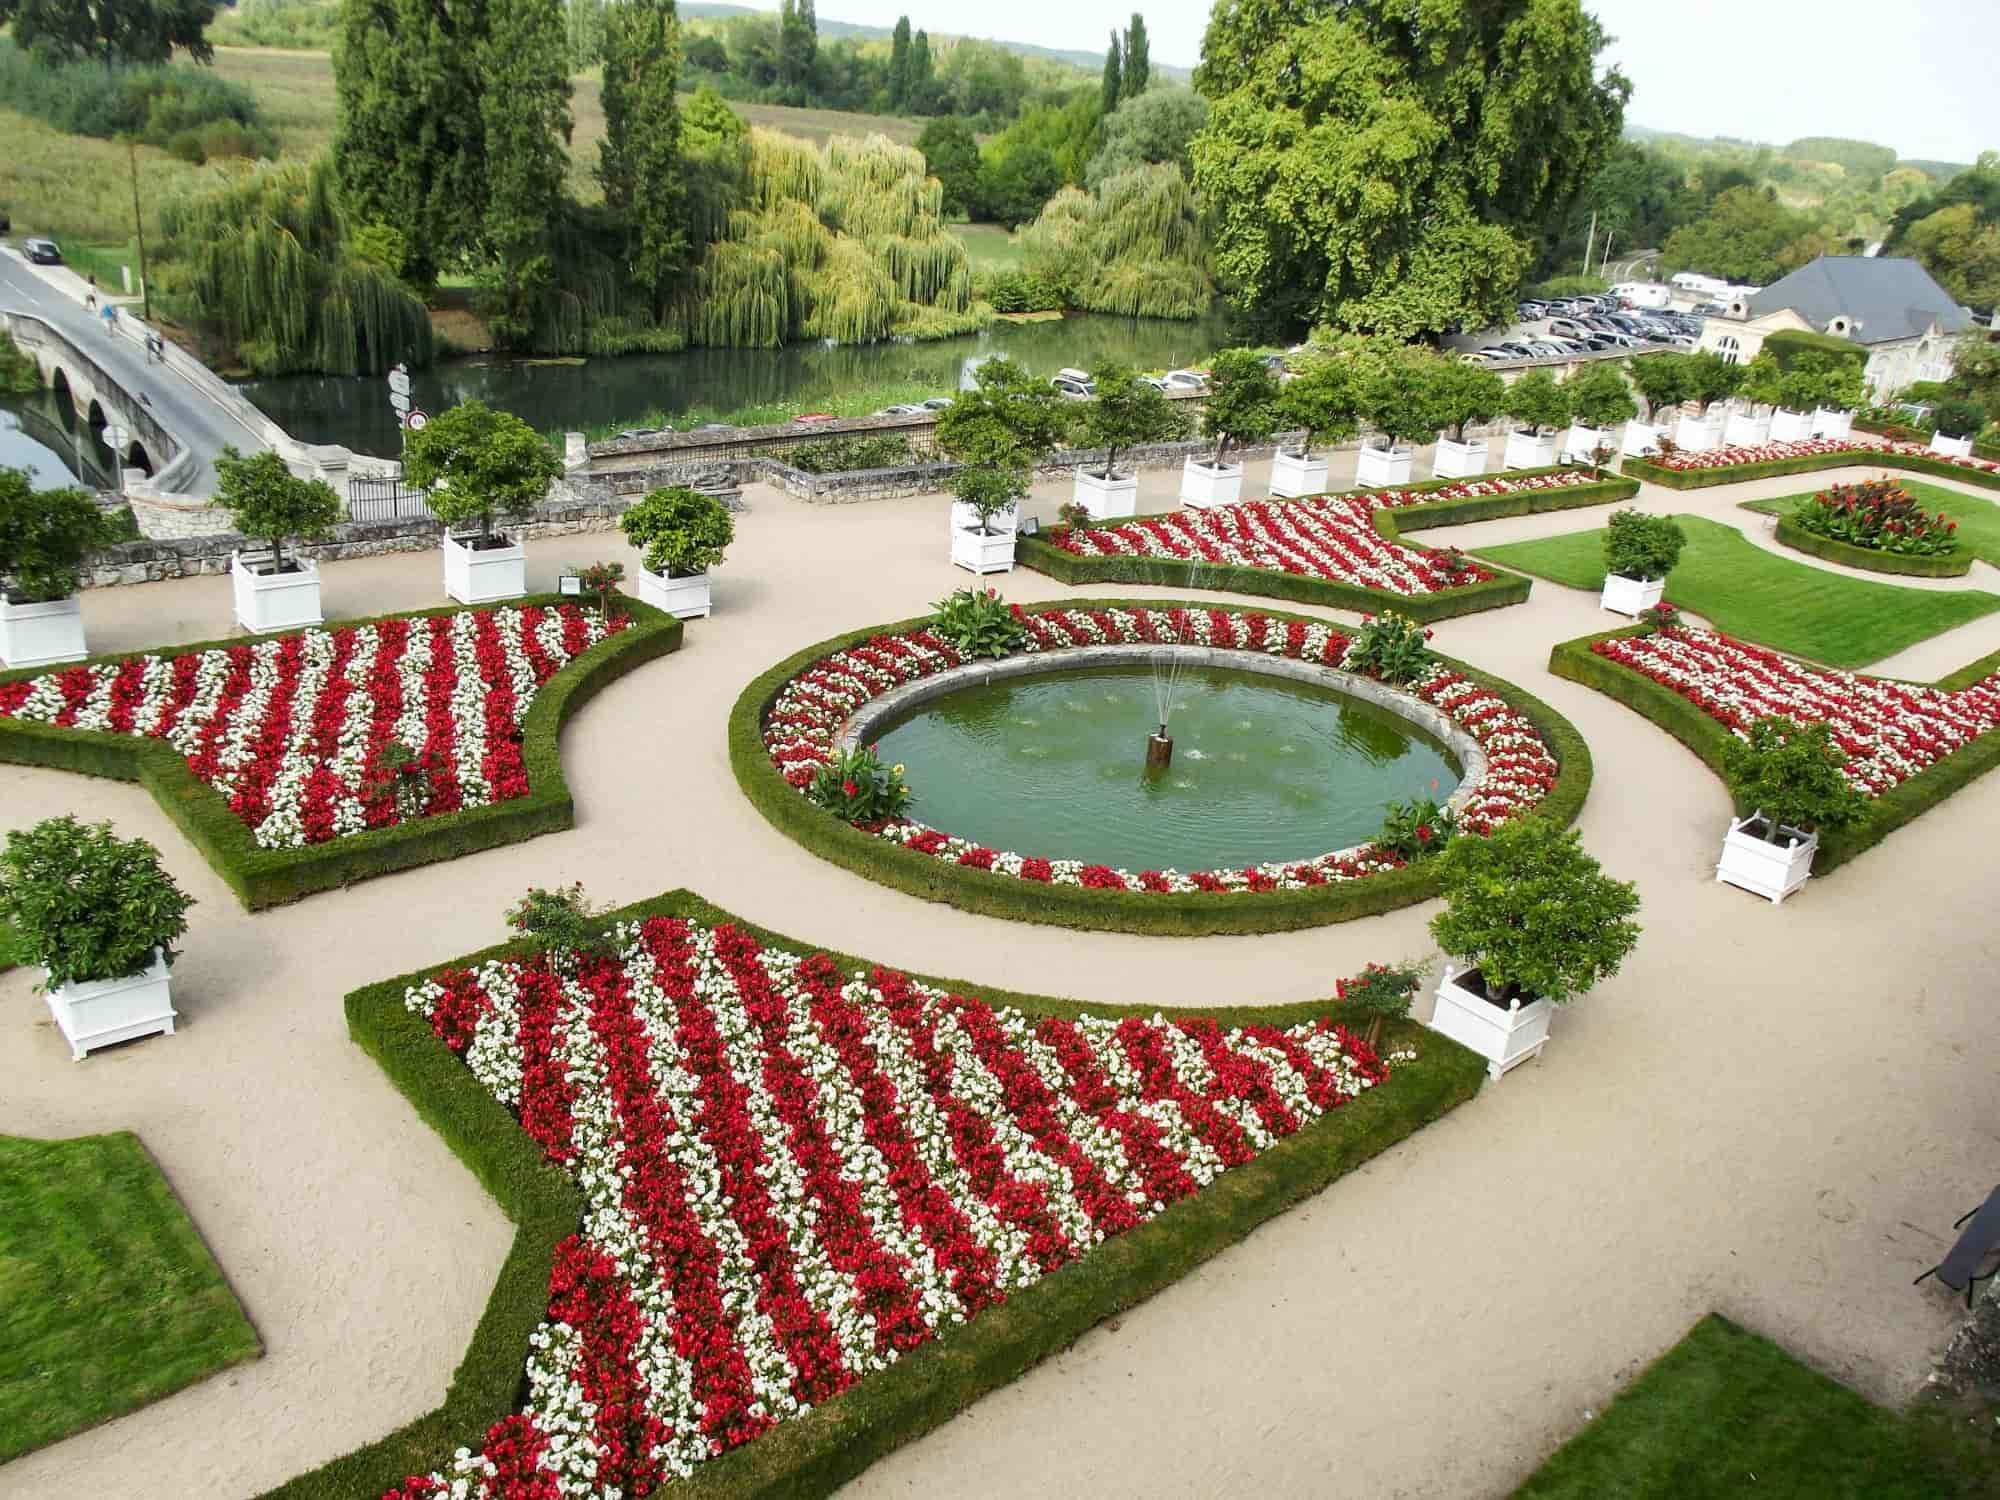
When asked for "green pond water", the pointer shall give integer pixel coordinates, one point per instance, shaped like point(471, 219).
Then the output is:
point(1264, 769)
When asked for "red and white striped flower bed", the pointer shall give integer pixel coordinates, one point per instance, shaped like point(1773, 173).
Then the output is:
point(1891, 731)
point(795, 1175)
point(1764, 453)
point(1322, 536)
point(290, 730)
point(806, 718)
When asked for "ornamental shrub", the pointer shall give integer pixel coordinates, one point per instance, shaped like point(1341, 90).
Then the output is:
point(1400, 396)
point(1958, 418)
point(1391, 647)
point(1637, 545)
point(1536, 400)
point(562, 926)
point(480, 463)
point(1322, 401)
point(1242, 403)
point(1417, 829)
point(1463, 393)
point(1600, 398)
point(1791, 773)
point(856, 787)
point(1880, 515)
point(44, 537)
point(1533, 912)
point(87, 904)
point(999, 431)
point(272, 503)
point(682, 531)
point(1125, 413)
point(885, 450)
point(1380, 992)
point(978, 622)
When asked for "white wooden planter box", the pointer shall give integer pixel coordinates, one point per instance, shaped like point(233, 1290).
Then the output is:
point(1293, 475)
point(1582, 443)
point(1377, 467)
point(979, 552)
point(481, 577)
point(1630, 596)
point(1526, 451)
point(1639, 439)
point(1754, 864)
point(1203, 487)
point(40, 635)
point(97, 1012)
point(1743, 430)
point(683, 598)
point(1951, 447)
point(1505, 1038)
point(1699, 434)
point(1791, 426)
point(1107, 499)
point(1466, 460)
point(1831, 424)
point(274, 601)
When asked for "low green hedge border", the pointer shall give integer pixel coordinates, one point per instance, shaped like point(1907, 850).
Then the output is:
point(815, 1454)
point(1700, 479)
point(1508, 588)
point(270, 877)
point(1953, 564)
point(1706, 738)
point(1191, 915)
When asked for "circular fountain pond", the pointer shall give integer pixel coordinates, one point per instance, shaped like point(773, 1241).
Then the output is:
point(1265, 768)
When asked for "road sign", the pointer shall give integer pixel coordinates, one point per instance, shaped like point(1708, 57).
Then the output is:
point(117, 439)
point(416, 421)
point(399, 403)
point(399, 382)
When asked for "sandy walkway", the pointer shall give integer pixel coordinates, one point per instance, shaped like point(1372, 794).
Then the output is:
point(1776, 1113)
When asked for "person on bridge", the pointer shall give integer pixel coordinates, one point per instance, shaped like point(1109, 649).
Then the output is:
point(90, 299)
point(110, 316)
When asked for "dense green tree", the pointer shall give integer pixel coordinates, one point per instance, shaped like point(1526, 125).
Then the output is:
point(1114, 74)
point(1747, 235)
point(1958, 238)
point(584, 21)
point(1157, 126)
point(111, 31)
point(1013, 189)
point(706, 53)
point(525, 109)
point(899, 65)
point(640, 156)
point(1138, 59)
point(409, 143)
point(798, 47)
point(1371, 172)
point(920, 87)
point(951, 155)
point(484, 465)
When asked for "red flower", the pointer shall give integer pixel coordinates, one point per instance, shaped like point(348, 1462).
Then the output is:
point(848, 788)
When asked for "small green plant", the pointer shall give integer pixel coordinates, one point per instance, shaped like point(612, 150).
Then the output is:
point(1662, 616)
point(44, 537)
point(479, 464)
point(1533, 912)
point(856, 787)
point(1390, 646)
point(272, 503)
point(86, 904)
point(1417, 829)
point(402, 775)
point(562, 925)
point(1791, 773)
point(978, 622)
point(999, 431)
point(1075, 516)
point(1637, 545)
point(1380, 992)
point(886, 450)
point(18, 374)
point(682, 531)
point(600, 579)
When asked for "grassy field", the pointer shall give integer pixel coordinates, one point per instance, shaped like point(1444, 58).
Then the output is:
point(108, 1296)
point(1978, 519)
point(1725, 1414)
point(991, 246)
point(849, 402)
point(78, 187)
point(294, 92)
point(1755, 596)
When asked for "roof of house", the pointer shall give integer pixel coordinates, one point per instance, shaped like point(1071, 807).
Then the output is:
point(1882, 297)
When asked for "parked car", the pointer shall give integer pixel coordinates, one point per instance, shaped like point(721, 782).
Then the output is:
point(1187, 380)
point(717, 427)
point(42, 252)
point(1155, 382)
point(1071, 372)
point(816, 416)
point(935, 403)
point(1568, 328)
point(1709, 309)
point(638, 432)
point(1073, 389)
point(901, 409)
point(1528, 312)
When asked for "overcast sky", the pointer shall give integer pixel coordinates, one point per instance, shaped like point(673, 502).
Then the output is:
point(1921, 75)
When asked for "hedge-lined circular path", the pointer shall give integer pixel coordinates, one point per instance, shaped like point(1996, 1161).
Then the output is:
point(1784, 1109)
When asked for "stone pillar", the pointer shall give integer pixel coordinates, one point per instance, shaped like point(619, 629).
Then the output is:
point(576, 451)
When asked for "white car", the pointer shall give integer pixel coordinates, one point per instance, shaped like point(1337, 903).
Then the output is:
point(1186, 380)
point(1155, 382)
point(1074, 390)
point(901, 409)
point(935, 403)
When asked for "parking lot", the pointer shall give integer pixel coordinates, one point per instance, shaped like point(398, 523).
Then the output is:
point(1580, 326)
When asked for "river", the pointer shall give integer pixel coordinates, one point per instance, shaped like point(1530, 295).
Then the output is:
point(35, 437)
point(628, 389)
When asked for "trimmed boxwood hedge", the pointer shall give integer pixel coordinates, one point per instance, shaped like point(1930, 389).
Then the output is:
point(1707, 739)
point(1701, 479)
point(1953, 564)
point(1508, 588)
point(814, 1454)
point(1194, 914)
point(269, 877)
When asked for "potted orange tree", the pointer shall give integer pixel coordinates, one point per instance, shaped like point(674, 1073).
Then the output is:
point(1788, 774)
point(45, 535)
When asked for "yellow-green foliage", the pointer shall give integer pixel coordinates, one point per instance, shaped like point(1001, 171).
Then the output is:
point(844, 242)
point(1133, 247)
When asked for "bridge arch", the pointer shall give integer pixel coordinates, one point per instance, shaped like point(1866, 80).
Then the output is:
point(65, 397)
point(136, 457)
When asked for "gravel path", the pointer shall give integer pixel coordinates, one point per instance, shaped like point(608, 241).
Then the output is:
point(1775, 1113)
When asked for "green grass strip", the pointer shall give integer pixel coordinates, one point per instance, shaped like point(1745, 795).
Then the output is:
point(1758, 596)
point(815, 1454)
point(1726, 1414)
point(1179, 915)
point(1855, 458)
point(270, 877)
point(110, 1298)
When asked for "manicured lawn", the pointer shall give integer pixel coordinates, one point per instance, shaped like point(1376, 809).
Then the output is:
point(108, 1297)
point(1725, 1414)
point(1755, 596)
point(1978, 519)
point(990, 246)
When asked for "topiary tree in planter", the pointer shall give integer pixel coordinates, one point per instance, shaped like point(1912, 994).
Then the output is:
point(1242, 403)
point(1711, 378)
point(1322, 402)
point(480, 464)
point(999, 431)
point(272, 503)
point(1640, 546)
point(1127, 412)
point(1790, 772)
point(1463, 393)
point(1600, 398)
point(1534, 913)
point(1663, 380)
point(1399, 397)
point(1958, 417)
point(1538, 402)
point(87, 905)
point(1763, 382)
point(45, 535)
point(681, 531)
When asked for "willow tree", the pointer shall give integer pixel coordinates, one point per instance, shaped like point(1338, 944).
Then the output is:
point(525, 108)
point(640, 157)
point(1371, 172)
point(262, 261)
point(1135, 246)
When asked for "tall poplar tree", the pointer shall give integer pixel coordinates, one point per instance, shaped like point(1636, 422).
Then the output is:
point(798, 46)
point(640, 157)
point(409, 145)
point(1138, 58)
point(525, 110)
point(918, 88)
point(1113, 75)
point(899, 65)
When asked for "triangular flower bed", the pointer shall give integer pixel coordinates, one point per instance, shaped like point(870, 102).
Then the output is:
point(270, 753)
point(824, 1205)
